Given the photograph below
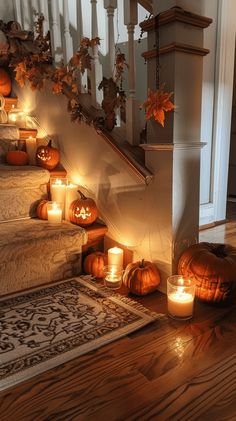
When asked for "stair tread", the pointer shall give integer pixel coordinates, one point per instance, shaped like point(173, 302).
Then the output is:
point(20, 176)
point(18, 237)
point(9, 132)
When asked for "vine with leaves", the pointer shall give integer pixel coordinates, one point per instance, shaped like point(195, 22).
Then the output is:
point(29, 55)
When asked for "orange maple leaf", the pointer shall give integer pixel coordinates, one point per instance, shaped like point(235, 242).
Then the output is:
point(157, 103)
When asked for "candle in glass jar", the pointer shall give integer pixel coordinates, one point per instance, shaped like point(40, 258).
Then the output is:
point(54, 213)
point(113, 277)
point(180, 297)
point(115, 257)
point(58, 193)
point(71, 195)
point(31, 146)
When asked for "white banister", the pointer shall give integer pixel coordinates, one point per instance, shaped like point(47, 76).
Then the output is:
point(132, 106)
point(68, 45)
point(110, 6)
point(56, 32)
point(17, 12)
point(96, 67)
point(26, 15)
point(82, 78)
point(34, 6)
point(43, 4)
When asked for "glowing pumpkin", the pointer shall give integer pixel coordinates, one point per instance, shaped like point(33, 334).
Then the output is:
point(47, 157)
point(83, 211)
point(5, 83)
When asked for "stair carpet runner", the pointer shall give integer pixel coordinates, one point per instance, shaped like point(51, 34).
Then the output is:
point(32, 251)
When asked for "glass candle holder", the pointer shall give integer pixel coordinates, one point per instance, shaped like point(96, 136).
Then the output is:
point(58, 191)
point(180, 297)
point(113, 276)
point(54, 212)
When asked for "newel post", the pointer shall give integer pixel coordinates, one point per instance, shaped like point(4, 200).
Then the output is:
point(132, 106)
point(173, 152)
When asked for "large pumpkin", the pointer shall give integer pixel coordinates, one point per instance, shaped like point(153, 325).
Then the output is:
point(83, 211)
point(142, 277)
point(213, 267)
point(42, 211)
point(17, 158)
point(5, 83)
point(47, 156)
point(94, 264)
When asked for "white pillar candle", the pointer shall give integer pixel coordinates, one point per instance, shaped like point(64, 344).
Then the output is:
point(71, 195)
point(31, 146)
point(58, 193)
point(54, 213)
point(115, 257)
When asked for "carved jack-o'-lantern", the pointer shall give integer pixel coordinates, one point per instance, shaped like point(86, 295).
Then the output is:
point(83, 211)
point(47, 156)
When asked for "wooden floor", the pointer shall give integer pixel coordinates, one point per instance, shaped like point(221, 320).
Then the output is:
point(167, 371)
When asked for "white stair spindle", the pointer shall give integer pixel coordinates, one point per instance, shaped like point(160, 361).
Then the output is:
point(82, 78)
point(68, 46)
point(34, 6)
point(96, 67)
point(17, 12)
point(56, 32)
point(26, 15)
point(44, 11)
point(110, 6)
point(132, 106)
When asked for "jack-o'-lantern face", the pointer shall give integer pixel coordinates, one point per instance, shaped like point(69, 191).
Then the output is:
point(47, 156)
point(83, 211)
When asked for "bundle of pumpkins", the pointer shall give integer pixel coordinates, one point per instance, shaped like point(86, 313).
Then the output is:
point(141, 278)
point(213, 268)
point(46, 156)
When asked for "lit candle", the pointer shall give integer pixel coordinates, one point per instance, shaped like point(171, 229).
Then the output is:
point(58, 193)
point(71, 195)
point(54, 213)
point(115, 257)
point(31, 146)
point(17, 117)
point(113, 277)
point(180, 297)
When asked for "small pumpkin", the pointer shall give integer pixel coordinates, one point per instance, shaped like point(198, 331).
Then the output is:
point(47, 156)
point(17, 157)
point(42, 211)
point(5, 83)
point(213, 267)
point(94, 264)
point(83, 211)
point(141, 277)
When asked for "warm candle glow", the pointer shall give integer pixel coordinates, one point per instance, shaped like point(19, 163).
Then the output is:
point(31, 146)
point(71, 195)
point(115, 257)
point(113, 277)
point(180, 297)
point(54, 213)
point(58, 192)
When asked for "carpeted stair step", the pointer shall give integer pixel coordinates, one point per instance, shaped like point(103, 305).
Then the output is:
point(21, 188)
point(34, 252)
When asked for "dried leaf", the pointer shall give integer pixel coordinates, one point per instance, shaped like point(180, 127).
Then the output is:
point(157, 103)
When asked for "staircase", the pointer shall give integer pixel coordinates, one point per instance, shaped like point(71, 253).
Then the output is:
point(33, 251)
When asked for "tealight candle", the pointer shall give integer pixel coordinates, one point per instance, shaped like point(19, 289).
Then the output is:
point(54, 212)
point(58, 192)
point(31, 146)
point(71, 195)
point(180, 297)
point(113, 277)
point(115, 257)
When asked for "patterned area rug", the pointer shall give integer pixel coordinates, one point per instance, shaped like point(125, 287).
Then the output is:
point(47, 326)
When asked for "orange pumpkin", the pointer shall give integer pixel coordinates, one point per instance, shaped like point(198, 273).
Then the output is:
point(94, 264)
point(47, 156)
point(17, 158)
point(213, 267)
point(83, 211)
point(141, 278)
point(5, 83)
point(42, 211)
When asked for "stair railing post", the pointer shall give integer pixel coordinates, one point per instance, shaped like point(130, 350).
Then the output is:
point(82, 78)
point(56, 32)
point(68, 46)
point(26, 15)
point(132, 117)
point(110, 6)
point(17, 12)
point(96, 67)
point(43, 4)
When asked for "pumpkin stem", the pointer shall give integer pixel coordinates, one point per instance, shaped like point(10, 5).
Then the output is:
point(141, 265)
point(50, 143)
point(82, 196)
